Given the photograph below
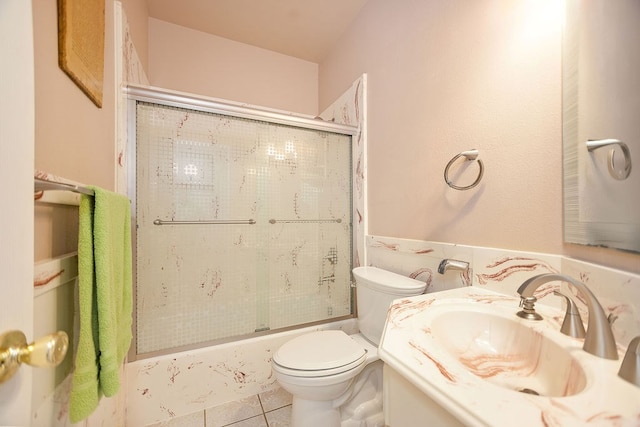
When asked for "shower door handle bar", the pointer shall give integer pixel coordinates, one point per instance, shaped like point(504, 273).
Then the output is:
point(206, 222)
point(304, 221)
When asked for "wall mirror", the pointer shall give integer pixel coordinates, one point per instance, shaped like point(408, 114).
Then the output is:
point(601, 123)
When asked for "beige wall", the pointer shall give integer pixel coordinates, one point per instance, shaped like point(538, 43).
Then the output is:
point(445, 77)
point(73, 138)
point(192, 61)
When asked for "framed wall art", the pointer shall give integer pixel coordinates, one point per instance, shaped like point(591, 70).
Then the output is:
point(81, 44)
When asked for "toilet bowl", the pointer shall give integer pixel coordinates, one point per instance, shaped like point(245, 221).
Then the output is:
point(335, 378)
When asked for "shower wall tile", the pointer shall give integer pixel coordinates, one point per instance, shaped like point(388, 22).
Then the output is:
point(132, 69)
point(350, 109)
point(419, 260)
point(129, 70)
point(503, 271)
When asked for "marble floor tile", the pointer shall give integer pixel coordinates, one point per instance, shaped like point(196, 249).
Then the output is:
point(232, 412)
point(280, 417)
point(258, 421)
point(269, 409)
point(275, 399)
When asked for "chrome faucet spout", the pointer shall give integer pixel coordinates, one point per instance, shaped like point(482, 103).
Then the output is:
point(630, 368)
point(599, 339)
point(572, 323)
point(452, 264)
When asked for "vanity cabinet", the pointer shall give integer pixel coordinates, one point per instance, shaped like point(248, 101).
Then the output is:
point(406, 406)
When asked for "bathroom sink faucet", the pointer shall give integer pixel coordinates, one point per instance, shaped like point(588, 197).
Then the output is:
point(599, 339)
point(630, 368)
point(572, 323)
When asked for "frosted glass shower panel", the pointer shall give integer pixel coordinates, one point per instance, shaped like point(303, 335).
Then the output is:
point(280, 252)
point(311, 232)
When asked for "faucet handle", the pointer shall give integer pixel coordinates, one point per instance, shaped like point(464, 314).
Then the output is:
point(630, 367)
point(528, 305)
point(572, 324)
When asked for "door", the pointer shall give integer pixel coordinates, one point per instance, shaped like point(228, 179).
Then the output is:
point(16, 205)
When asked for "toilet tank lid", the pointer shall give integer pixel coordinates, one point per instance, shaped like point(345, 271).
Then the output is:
point(386, 281)
point(319, 350)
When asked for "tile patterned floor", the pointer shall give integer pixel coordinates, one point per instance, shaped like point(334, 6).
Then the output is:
point(268, 409)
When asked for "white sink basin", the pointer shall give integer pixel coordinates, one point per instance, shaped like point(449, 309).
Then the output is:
point(475, 360)
point(506, 352)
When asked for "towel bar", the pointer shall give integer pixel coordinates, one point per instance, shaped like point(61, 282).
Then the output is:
point(205, 222)
point(44, 185)
point(303, 221)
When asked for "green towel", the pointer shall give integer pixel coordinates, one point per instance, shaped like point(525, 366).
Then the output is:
point(105, 299)
point(85, 391)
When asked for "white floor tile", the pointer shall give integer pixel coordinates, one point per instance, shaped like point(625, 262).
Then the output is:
point(258, 421)
point(233, 412)
point(280, 417)
point(275, 399)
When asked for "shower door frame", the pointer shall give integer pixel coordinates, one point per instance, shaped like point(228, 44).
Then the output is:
point(135, 94)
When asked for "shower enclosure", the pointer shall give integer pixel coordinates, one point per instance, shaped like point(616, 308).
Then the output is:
point(243, 221)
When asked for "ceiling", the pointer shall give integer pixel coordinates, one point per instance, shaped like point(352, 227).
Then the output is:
point(305, 29)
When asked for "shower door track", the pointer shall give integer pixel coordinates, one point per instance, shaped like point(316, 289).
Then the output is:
point(201, 103)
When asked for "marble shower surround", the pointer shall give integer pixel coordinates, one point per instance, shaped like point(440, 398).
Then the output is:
point(178, 384)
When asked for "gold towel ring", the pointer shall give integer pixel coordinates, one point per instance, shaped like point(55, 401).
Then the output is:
point(469, 155)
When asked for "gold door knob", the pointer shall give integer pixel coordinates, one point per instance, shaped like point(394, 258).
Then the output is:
point(48, 351)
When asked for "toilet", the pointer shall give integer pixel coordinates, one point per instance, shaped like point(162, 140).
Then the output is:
point(335, 378)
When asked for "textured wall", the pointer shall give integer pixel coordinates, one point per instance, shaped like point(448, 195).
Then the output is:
point(445, 77)
point(74, 138)
point(195, 62)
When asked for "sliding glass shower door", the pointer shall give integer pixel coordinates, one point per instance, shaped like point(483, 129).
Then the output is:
point(242, 226)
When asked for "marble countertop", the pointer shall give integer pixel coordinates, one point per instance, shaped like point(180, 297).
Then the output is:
point(409, 348)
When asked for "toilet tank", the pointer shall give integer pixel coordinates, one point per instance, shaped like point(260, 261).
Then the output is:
point(376, 288)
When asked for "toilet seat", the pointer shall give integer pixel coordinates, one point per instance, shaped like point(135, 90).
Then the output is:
point(318, 354)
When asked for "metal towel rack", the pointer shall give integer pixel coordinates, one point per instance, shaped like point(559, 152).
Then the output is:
point(469, 155)
point(205, 222)
point(304, 221)
point(44, 185)
point(244, 221)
